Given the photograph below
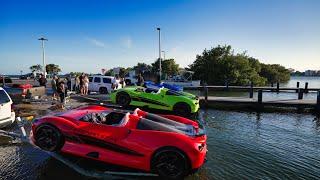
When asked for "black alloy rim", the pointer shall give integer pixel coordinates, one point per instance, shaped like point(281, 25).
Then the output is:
point(47, 138)
point(170, 164)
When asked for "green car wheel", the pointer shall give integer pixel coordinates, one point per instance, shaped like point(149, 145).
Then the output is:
point(123, 99)
point(182, 109)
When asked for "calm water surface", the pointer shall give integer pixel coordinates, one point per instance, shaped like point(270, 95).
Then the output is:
point(241, 145)
point(314, 82)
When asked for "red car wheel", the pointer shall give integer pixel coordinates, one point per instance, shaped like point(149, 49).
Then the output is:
point(170, 164)
point(49, 138)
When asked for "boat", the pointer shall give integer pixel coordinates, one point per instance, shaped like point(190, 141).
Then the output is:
point(183, 79)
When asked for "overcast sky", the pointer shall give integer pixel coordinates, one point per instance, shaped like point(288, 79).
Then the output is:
point(91, 35)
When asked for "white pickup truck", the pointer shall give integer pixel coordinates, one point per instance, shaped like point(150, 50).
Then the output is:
point(7, 116)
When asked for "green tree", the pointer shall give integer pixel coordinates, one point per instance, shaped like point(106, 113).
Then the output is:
point(53, 69)
point(142, 67)
point(275, 73)
point(219, 65)
point(36, 67)
point(168, 66)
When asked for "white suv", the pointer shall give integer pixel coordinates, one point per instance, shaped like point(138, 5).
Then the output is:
point(7, 116)
point(101, 84)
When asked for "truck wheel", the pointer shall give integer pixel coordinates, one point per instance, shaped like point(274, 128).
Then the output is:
point(49, 138)
point(182, 109)
point(170, 164)
point(103, 90)
point(123, 99)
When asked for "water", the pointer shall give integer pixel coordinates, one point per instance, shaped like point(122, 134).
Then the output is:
point(313, 82)
point(241, 145)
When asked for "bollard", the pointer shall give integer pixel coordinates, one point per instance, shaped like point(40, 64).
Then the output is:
point(306, 87)
point(260, 96)
point(318, 102)
point(206, 94)
point(278, 87)
point(272, 85)
point(251, 90)
point(300, 94)
point(298, 84)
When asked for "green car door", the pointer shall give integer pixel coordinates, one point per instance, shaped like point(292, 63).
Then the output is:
point(151, 98)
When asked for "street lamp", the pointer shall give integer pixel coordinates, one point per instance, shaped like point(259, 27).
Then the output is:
point(42, 39)
point(164, 55)
point(159, 53)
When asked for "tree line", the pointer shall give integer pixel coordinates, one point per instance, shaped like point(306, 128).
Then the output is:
point(217, 66)
point(220, 65)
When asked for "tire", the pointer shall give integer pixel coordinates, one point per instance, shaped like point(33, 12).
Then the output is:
point(170, 164)
point(128, 82)
point(123, 99)
point(49, 138)
point(182, 109)
point(103, 90)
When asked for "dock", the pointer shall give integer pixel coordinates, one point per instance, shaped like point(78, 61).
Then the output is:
point(213, 101)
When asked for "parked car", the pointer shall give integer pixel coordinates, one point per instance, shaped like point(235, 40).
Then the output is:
point(168, 145)
point(101, 84)
point(180, 103)
point(7, 116)
point(5, 79)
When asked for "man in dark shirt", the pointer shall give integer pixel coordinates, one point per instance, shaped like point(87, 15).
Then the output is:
point(81, 78)
point(62, 92)
point(42, 80)
point(140, 80)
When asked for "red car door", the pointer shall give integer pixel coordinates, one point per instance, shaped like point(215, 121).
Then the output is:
point(104, 132)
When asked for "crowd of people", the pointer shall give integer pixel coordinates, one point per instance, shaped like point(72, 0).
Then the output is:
point(81, 85)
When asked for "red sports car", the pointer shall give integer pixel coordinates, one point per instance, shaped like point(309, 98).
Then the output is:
point(168, 145)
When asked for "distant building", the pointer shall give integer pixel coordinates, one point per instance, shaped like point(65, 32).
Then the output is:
point(310, 73)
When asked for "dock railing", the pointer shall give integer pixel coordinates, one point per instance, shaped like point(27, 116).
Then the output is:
point(298, 102)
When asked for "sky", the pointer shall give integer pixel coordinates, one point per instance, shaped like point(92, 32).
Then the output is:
point(90, 35)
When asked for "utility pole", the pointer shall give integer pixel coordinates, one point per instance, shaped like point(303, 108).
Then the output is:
point(160, 69)
point(42, 39)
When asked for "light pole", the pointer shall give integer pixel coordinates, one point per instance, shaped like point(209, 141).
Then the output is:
point(42, 39)
point(164, 55)
point(159, 53)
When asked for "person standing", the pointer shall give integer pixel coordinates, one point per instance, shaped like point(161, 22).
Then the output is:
point(86, 84)
point(115, 82)
point(140, 80)
point(61, 91)
point(81, 84)
point(42, 81)
point(54, 87)
point(122, 82)
point(77, 85)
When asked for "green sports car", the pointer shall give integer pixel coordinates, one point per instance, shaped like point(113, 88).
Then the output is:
point(181, 103)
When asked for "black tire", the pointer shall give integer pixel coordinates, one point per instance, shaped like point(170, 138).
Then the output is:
point(128, 82)
point(123, 99)
point(171, 164)
point(182, 109)
point(49, 138)
point(103, 90)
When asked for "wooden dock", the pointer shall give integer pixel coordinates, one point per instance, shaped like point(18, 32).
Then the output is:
point(242, 103)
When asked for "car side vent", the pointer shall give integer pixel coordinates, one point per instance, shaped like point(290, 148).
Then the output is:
point(93, 155)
